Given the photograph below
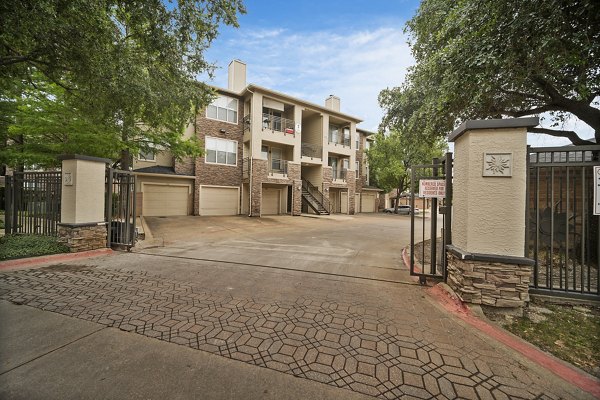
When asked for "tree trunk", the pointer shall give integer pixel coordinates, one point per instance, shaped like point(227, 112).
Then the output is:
point(125, 160)
point(398, 192)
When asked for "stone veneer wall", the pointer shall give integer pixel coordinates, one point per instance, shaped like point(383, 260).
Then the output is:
point(294, 174)
point(82, 238)
point(217, 174)
point(488, 283)
point(259, 173)
point(186, 166)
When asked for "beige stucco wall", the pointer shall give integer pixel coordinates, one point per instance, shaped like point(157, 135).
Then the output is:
point(489, 212)
point(312, 130)
point(314, 175)
point(83, 201)
point(162, 158)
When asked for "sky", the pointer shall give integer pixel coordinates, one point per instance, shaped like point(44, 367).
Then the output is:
point(311, 49)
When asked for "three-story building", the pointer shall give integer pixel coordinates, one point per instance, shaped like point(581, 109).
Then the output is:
point(267, 153)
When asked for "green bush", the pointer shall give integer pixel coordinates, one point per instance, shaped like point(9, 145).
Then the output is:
point(22, 246)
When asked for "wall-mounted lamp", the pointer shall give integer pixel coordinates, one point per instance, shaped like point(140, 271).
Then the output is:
point(222, 131)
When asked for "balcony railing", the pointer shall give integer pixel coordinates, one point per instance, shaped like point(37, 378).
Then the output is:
point(340, 175)
point(344, 141)
point(278, 124)
point(312, 150)
point(278, 167)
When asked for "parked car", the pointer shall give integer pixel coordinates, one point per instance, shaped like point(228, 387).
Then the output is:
point(402, 209)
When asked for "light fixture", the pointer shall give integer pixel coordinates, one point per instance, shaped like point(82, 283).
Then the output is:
point(222, 130)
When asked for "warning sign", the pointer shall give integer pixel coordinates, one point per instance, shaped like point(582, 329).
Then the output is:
point(431, 188)
point(597, 190)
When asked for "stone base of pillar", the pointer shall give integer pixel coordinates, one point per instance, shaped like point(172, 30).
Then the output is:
point(83, 237)
point(296, 197)
point(497, 282)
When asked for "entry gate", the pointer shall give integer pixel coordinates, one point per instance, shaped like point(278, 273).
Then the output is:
point(561, 231)
point(429, 236)
point(120, 208)
point(32, 203)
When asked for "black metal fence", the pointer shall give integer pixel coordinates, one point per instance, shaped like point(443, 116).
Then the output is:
point(428, 241)
point(32, 203)
point(120, 208)
point(561, 230)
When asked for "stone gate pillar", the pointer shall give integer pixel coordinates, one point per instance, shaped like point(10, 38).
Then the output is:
point(486, 261)
point(82, 226)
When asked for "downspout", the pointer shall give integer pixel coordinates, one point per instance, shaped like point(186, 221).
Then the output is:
point(250, 175)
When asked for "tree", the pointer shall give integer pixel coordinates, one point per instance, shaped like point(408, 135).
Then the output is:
point(391, 156)
point(491, 59)
point(130, 68)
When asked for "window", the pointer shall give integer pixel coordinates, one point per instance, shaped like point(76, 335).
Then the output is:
point(334, 133)
point(346, 141)
point(356, 141)
point(221, 151)
point(223, 108)
point(368, 144)
point(147, 156)
point(357, 167)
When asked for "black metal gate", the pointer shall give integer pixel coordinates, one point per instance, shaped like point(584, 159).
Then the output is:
point(561, 230)
point(32, 203)
point(427, 250)
point(120, 208)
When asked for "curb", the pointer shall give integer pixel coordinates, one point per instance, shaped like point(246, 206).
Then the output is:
point(558, 367)
point(34, 261)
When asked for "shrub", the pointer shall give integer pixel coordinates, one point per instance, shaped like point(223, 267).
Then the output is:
point(22, 246)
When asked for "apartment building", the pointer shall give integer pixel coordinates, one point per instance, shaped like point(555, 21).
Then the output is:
point(266, 153)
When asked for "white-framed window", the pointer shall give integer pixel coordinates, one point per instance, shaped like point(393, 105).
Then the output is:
point(357, 167)
point(223, 108)
point(147, 156)
point(357, 135)
point(220, 151)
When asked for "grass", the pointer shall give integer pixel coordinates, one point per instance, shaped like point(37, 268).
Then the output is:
point(22, 246)
point(571, 333)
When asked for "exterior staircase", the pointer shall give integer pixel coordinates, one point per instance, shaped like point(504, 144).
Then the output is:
point(314, 199)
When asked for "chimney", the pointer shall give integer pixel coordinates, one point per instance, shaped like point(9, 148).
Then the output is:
point(333, 103)
point(237, 76)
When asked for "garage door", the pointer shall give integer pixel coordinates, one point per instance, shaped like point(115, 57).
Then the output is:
point(165, 200)
point(368, 203)
point(219, 200)
point(270, 201)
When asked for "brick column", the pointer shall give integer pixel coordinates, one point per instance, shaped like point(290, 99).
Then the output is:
point(351, 195)
point(294, 173)
point(487, 263)
point(327, 179)
point(259, 172)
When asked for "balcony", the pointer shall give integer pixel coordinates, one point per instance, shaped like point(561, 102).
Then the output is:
point(278, 124)
point(278, 167)
point(246, 168)
point(344, 141)
point(340, 175)
point(312, 150)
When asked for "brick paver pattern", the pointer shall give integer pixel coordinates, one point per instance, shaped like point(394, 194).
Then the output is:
point(353, 345)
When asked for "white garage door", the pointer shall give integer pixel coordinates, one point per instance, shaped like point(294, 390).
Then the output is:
point(270, 201)
point(165, 200)
point(368, 203)
point(219, 200)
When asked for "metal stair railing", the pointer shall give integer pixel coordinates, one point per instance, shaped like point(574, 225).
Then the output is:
point(317, 195)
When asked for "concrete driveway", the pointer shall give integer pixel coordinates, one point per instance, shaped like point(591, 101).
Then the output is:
point(366, 245)
point(293, 308)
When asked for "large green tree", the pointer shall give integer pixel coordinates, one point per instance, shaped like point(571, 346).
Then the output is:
point(127, 68)
point(489, 58)
point(392, 155)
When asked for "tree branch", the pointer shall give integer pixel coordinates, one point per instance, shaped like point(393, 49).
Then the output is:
point(572, 136)
point(523, 94)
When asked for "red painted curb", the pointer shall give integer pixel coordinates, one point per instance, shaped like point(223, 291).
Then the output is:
point(462, 311)
point(33, 261)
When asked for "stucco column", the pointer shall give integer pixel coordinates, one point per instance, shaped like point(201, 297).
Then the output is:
point(487, 264)
point(82, 225)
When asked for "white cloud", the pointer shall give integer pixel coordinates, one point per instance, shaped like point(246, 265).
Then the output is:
point(353, 65)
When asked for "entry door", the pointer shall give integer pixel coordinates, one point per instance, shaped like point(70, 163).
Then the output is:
point(344, 203)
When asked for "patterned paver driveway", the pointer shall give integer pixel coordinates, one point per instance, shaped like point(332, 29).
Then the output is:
point(382, 339)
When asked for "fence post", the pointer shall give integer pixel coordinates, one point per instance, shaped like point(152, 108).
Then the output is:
point(82, 224)
point(8, 204)
point(487, 264)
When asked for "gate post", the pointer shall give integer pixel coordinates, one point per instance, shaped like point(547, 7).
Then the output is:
point(486, 260)
point(82, 225)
